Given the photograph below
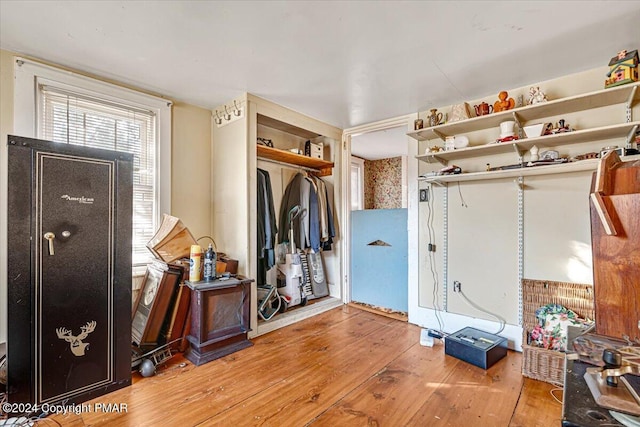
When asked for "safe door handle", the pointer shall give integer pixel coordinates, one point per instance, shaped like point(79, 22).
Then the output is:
point(50, 236)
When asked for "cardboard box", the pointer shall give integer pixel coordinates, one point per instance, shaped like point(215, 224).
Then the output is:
point(172, 240)
point(314, 149)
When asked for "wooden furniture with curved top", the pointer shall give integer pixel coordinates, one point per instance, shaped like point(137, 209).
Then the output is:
point(615, 237)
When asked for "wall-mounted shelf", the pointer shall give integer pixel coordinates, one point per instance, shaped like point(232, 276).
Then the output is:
point(323, 167)
point(628, 94)
point(582, 165)
point(622, 130)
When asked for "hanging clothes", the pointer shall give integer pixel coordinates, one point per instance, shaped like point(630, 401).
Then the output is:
point(322, 208)
point(267, 228)
point(292, 197)
point(331, 230)
point(305, 188)
point(314, 228)
point(314, 216)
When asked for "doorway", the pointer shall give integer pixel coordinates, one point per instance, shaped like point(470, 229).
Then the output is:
point(379, 159)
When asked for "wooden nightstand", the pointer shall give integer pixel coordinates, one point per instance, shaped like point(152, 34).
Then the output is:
point(219, 318)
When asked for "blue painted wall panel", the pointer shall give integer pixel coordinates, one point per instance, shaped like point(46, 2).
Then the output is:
point(379, 273)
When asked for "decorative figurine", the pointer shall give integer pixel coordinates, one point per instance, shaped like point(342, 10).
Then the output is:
point(562, 127)
point(534, 153)
point(548, 130)
point(536, 96)
point(434, 118)
point(503, 104)
point(623, 69)
point(418, 124)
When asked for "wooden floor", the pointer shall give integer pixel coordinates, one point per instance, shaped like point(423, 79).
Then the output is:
point(345, 367)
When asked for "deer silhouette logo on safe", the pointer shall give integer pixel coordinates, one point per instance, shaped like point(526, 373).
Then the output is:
point(77, 346)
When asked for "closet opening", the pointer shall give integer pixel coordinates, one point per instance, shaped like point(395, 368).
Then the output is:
point(298, 265)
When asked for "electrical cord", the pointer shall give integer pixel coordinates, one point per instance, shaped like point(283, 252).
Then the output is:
point(432, 262)
point(503, 322)
point(554, 396)
point(464, 204)
point(215, 247)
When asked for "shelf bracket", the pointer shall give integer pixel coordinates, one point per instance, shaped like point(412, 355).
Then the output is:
point(631, 136)
point(442, 161)
point(517, 119)
point(519, 183)
point(630, 102)
point(519, 150)
point(439, 134)
point(431, 159)
point(419, 135)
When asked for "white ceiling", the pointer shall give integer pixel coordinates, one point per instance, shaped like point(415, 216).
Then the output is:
point(382, 144)
point(343, 62)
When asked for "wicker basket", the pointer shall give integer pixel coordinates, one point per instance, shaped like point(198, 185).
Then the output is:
point(539, 363)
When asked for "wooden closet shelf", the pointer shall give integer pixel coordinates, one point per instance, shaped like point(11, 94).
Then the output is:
point(323, 167)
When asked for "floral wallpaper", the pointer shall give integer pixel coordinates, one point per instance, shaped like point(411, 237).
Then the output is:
point(383, 183)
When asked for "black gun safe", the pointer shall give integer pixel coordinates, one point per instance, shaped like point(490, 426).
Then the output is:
point(69, 271)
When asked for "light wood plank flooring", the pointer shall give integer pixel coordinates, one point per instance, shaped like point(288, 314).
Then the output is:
point(345, 367)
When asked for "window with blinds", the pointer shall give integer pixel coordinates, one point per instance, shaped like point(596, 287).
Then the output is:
point(74, 118)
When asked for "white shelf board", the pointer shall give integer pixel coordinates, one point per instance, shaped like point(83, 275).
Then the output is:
point(582, 165)
point(579, 136)
point(600, 98)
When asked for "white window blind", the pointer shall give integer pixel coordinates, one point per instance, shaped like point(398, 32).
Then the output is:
point(74, 118)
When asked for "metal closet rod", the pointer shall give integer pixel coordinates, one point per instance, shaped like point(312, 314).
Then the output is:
point(289, 165)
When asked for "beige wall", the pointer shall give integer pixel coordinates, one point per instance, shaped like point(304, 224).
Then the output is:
point(6, 127)
point(6, 94)
point(230, 196)
point(191, 166)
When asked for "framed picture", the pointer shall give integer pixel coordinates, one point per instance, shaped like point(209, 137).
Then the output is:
point(159, 286)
